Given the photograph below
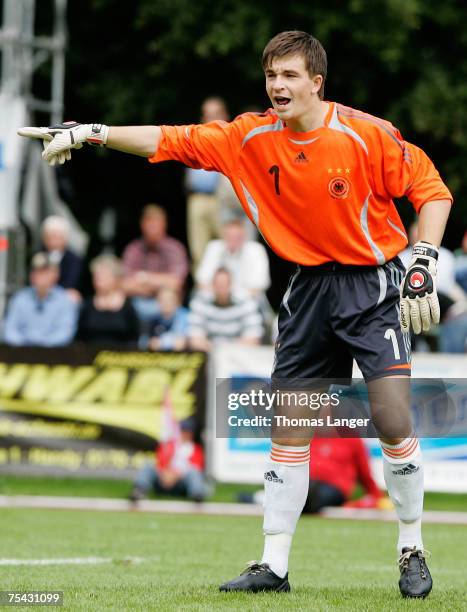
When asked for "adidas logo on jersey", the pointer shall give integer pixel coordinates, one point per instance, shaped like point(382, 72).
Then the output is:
point(272, 477)
point(409, 469)
point(301, 158)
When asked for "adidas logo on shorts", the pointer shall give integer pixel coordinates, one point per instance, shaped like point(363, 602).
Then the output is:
point(409, 469)
point(272, 477)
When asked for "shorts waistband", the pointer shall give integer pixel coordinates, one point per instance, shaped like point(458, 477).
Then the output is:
point(334, 267)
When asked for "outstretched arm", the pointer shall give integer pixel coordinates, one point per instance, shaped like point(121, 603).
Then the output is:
point(59, 139)
point(140, 140)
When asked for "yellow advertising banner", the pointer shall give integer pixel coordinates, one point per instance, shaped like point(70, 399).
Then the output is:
point(80, 408)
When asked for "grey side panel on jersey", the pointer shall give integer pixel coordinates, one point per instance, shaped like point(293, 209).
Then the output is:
point(263, 129)
point(364, 225)
point(397, 229)
point(335, 124)
point(285, 299)
point(251, 204)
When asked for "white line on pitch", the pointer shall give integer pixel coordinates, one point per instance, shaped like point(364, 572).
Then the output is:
point(71, 561)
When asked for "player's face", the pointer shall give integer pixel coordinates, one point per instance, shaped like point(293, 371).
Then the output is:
point(291, 89)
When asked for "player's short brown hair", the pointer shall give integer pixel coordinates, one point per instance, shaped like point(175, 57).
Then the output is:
point(295, 42)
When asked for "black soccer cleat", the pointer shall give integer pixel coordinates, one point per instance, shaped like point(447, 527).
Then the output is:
point(415, 580)
point(257, 577)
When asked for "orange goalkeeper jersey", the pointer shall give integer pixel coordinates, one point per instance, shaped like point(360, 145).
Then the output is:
point(318, 196)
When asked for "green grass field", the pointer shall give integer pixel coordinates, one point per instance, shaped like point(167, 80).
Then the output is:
point(161, 562)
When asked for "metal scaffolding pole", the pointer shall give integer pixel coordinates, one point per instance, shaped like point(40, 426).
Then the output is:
point(23, 51)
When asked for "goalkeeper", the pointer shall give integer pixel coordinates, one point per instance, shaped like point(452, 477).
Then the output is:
point(318, 180)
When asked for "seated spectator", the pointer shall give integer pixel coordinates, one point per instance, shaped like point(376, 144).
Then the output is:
point(55, 233)
point(155, 260)
point(337, 465)
point(108, 317)
point(246, 260)
point(177, 470)
point(461, 263)
point(42, 314)
point(223, 316)
point(168, 330)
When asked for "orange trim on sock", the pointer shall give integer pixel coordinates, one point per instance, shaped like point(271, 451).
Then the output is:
point(403, 450)
point(289, 452)
point(285, 460)
point(406, 366)
point(400, 453)
point(289, 456)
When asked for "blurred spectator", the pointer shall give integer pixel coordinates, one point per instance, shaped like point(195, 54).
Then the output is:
point(177, 470)
point(55, 233)
point(452, 300)
point(230, 208)
point(246, 260)
point(202, 186)
point(42, 314)
point(337, 465)
point(461, 263)
point(223, 316)
point(168, 330)
point(155, 260)
point(108, 317)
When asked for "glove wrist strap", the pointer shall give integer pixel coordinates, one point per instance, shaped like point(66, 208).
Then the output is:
point(425, 249)
point(98, 134)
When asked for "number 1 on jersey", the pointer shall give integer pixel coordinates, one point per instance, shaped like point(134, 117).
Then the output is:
point(275, 170)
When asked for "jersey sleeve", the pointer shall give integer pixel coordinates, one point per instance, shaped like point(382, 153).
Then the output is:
point(211, 146)
point(403, 169)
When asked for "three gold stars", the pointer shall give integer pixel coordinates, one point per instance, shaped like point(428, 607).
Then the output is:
point(339, 170)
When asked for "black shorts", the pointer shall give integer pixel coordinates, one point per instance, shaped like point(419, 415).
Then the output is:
point(332, 314)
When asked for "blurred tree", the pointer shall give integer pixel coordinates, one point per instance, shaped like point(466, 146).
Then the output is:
point(153, 61)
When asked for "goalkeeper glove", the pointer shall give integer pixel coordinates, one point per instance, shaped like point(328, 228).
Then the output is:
point(59, 139)
point(419, 301)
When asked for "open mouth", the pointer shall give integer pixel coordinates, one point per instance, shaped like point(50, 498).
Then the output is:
point(281, 101)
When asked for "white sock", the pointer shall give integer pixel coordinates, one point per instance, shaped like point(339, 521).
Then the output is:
point(403, 474)
point(285, 491)
point(276, 552)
